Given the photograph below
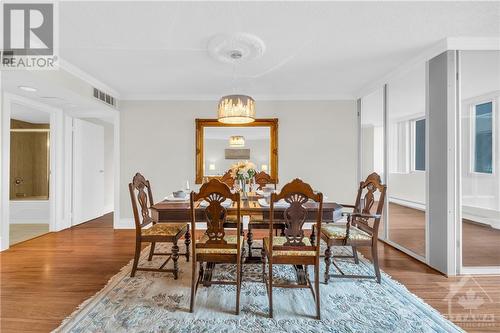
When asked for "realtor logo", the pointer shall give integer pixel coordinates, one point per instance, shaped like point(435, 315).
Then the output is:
point(28, 36)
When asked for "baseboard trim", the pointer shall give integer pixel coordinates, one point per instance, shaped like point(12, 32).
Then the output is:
point(407, 203)
point(124, 223)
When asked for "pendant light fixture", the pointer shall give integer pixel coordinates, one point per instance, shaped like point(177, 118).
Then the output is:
point(236, 108)
point(236, 141)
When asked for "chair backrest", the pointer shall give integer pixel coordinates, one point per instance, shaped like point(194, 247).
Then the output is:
point(296, 194)
point(365, 201)
point(262, 179)
point(215, 193)
point(143, 200)
point(228, 179)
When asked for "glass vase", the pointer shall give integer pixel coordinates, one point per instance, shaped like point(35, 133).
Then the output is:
point(244, 189)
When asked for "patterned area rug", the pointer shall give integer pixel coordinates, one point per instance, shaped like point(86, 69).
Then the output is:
point(155, 302)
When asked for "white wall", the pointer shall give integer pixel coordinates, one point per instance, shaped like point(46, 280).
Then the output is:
point(29, 211)
point(317, 142)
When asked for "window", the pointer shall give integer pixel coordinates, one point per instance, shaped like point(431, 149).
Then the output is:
point(483, 138)
point(419, 148)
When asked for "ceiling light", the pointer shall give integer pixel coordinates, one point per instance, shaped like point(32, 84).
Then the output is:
point(236, 109)
point(236, 141)
point(27, 88)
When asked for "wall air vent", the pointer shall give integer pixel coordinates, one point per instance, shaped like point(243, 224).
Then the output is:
point(105, 98)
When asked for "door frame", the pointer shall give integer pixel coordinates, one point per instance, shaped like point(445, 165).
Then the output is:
point(58, 216)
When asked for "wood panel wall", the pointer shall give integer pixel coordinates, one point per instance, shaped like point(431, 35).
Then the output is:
point(29, 161)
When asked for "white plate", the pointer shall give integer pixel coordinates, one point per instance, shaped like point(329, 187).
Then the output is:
point(172, 198)
point(227, 203)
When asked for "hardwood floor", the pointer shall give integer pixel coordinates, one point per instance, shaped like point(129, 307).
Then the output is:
point(43, 280)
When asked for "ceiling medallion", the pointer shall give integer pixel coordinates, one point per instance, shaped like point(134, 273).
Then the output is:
point(236, 47)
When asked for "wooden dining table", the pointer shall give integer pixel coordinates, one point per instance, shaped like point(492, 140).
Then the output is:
point(180, 211)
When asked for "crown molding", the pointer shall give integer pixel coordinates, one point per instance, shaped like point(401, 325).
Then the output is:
point(215, 98)
point(450, 43)
point(81, 74)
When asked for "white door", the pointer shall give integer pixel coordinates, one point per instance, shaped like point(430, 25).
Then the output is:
point(88, 171)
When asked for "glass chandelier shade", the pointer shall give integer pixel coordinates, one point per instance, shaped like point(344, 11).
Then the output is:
point(236, 109)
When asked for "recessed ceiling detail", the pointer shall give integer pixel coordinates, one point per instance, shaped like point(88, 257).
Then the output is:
point(236, 47)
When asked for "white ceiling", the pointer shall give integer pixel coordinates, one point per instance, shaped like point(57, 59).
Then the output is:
point(55, 90)
point(314, 50)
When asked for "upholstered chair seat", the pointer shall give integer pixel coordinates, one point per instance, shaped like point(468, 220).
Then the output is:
point(281, 240)
point(230, 239)
point(165, 229)
point(339, 232)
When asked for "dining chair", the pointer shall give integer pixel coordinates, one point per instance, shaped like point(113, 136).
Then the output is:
point(215, 246)
point(359, 231)
point(262, 179)
point(293, 248)
point(165, 232)
point(228, 179)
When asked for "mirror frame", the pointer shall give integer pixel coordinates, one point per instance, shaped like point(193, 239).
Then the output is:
point(272, 123)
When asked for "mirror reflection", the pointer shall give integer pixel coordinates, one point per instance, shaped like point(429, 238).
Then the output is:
point(225, 146)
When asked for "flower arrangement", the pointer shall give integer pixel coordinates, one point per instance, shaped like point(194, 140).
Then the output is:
point(243, 170)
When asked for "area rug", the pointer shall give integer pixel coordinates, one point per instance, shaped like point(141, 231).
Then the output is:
point(155, 302)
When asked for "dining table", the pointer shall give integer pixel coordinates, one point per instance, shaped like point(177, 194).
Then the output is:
point(175, 211)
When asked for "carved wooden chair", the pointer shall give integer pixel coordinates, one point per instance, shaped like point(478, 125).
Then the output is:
point(359, 231)
point(142, 198)
point(228, 179)
point(215, 246)
point(293, 248)
point(258, 221)
point(262, 179)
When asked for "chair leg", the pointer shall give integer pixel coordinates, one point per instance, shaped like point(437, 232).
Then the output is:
point(249, 240)
point(355, 255)
point(175, 258)
point(316, 287)
point(194, 278)
point(375, 260)
point(328, 262)
point(238, 288)
point(270, 280)
point(187, 241)
point(263, 257)
point(151, 251)
point(136, 257)
point(313, 236)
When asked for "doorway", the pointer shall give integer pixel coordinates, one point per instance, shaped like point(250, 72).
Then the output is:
point(29, 177)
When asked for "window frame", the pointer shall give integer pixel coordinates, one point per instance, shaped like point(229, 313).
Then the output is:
point(413, 143)
point(472, 104)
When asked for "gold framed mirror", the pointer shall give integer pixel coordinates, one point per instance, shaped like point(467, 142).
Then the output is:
point(218, 146)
